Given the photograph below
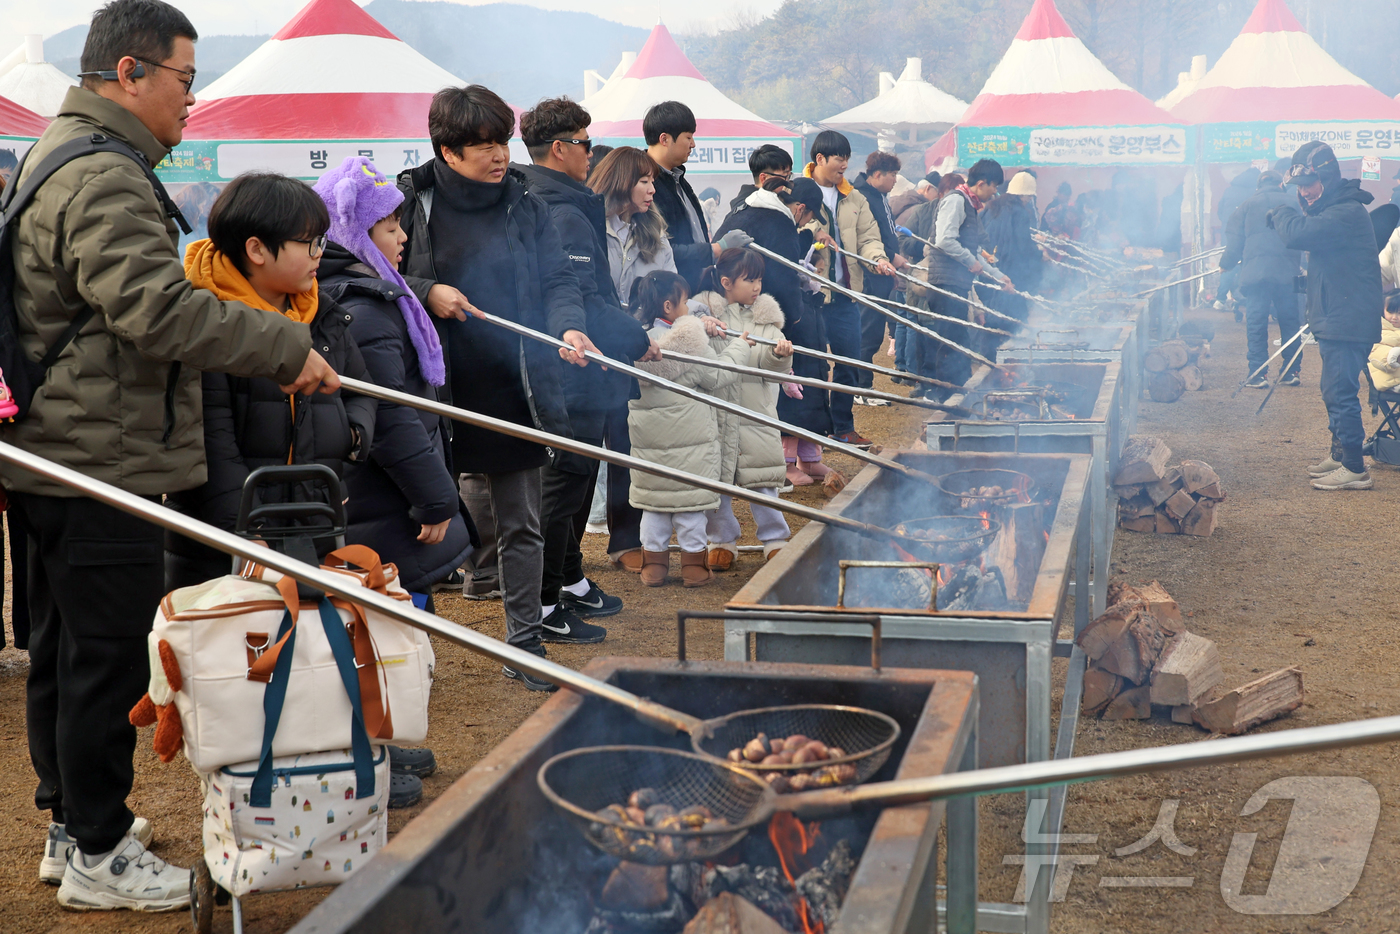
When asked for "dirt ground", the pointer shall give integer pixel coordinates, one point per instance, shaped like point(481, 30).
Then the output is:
point(1291, 577)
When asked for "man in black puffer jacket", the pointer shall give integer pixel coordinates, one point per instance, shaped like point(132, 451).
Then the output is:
point(556, 133)
point(1264, 273)
point(472, 225)
point(1344, 299)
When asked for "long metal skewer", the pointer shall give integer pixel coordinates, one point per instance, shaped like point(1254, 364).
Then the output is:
point(773, 376)
point(925, 313)
point(732, 408)
point(1167, 285)
point(1103, 256)
point(1284, 345)
point(849, 361)
point(1278, 379)
point(1197, 256)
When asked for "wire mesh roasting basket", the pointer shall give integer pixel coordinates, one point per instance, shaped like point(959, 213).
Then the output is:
point(964, 537)
point(866, 738)
point(979, 489)
point(592, 786)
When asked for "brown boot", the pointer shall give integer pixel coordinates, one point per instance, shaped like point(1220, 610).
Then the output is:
point(694, 572)
point(629, 561)
point(655, 566)
point(721, 557)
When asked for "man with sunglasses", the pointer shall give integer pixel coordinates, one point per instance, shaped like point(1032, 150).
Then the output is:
point(98, 280)
point(556, 134)
point(1344, 298)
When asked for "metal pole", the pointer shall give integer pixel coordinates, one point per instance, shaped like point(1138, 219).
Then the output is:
point(732, 408)
point(1167, 285)
point(924, 312)
point(863, 300)
point(1199, 256)
point(849, 361)
point(1282, 347)
point(1278, 379)
point(775, 377)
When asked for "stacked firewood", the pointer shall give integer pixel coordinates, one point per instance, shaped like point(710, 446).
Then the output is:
point(1154, 497)
point(1173, 368)
point(1141, 656)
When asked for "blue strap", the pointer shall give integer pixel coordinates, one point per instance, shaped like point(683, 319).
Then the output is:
point(274, 696)
point(344, 653)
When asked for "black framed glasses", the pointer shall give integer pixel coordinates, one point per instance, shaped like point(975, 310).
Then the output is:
point(314, 248)
point(587, 144)
point(186, 77)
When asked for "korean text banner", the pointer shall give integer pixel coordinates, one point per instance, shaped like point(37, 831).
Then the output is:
point(1137, 145)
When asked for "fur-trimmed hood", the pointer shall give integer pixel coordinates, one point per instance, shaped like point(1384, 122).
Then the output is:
point(687, 335)
point(764, 311)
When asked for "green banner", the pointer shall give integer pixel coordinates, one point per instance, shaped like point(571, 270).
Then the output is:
point(1351, 139)
point(1087, 146)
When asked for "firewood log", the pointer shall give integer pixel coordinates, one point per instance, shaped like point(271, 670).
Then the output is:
point(1154, 361)
point(1120, 591)
point(1166, 525)
point(1183, 714)
point(1165, 386)
point(1100, 687)
point(1251, 704)
point(1200, 521)
point(1179, 505)
point(1132, 704)
point(1191, 377)
point(1212, 491)
point(1143, 524)
point(1161, 491)
point(1135, 651)
point(1144, 459)
point(728, 913)
point(1108, 628)
point(1188, 667)
point(635, 887)
point(1161, 604)
point(1176, 353)
point(1128, 491)
point(1197, 474)
point(1136, 507)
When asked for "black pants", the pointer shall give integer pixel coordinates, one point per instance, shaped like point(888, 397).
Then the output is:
point(843, 327)
point(562, 496)
point(19, 564)
point(1341, 382)
point(934, 357)
point(1262, 299)
point(95, 581)
point(624, 519)
point(872, 325)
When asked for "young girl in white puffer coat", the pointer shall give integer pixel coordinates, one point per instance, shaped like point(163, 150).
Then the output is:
point(751, 454)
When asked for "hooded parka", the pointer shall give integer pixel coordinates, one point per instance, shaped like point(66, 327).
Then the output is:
point(751, 455)
point(668, 429)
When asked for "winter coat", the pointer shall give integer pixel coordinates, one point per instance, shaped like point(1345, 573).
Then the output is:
point(1383, 377)
point(859, 232)
point(1255, 247)
point(920, 220)
point(878, 201)
point(1390, 261)
point(671, 430)
point(249, 422)
point(122, 404)
point(691, 255)
point(751, 455)
point(579, 217)
point(546, 298)
point(1006, 227)
point(904, 202)
point(626, 262)
point(1241, 188)
point(765, 218)
point(407, 480)
point(737, 202)
point(1344, 273)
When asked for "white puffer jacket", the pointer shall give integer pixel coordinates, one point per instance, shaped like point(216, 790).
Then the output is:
point(668, 429)
point(751, 454)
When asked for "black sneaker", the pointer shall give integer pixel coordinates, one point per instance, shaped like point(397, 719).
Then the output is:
point(593, 604)
point(564, 627)
point(1259, 382)
point(524, 677)
point(453, 581)
point(1292, 379)
point(418, 761)
point(405, 790)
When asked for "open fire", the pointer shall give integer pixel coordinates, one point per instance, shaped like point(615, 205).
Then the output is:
point(798, 887)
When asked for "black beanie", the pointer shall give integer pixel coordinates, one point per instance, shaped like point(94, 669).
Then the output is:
point(1316, 158)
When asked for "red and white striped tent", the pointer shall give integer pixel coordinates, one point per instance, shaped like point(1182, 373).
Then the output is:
point(725, 132)
point(331, 83)
point(1276, 88)
point(1050, 101)
point(19, 128)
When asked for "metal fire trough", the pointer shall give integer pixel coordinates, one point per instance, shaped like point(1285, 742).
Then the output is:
point(1090, 344)
point(491, 854)
point(1099, 428)
point(1009, 650)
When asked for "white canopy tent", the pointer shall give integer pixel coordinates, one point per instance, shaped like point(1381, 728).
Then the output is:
point(31, 82)
point(905, 107)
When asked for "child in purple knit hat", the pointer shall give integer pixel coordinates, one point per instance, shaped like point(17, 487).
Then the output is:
point(403, 501)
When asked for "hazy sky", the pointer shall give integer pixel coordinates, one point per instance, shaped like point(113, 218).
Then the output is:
point(212, 17)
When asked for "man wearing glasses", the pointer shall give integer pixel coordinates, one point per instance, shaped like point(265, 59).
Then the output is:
point(98, 278)
point(556, 134)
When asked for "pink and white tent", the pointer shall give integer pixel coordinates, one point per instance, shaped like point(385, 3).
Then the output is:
point(331, 83)
point(725, 132)
point(1050, 101)
point(19, 128)
point(1275, 88)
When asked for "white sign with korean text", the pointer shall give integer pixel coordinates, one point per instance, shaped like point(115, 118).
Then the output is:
point(726, 156)
point(1151, 145)
point(310, 159)
point(1348, 140)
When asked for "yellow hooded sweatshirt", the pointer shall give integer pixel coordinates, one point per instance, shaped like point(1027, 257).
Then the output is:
point(207, 268)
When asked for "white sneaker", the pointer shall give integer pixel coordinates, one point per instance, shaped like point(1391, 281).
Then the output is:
point(128, 877)
point(864, 400)
point(60, 846)
point(1343, 479)
point(596, 528)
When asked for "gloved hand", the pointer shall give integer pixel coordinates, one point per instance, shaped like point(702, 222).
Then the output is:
point(1392, 359)
point(903, 231)
point(735, 238)
point(794, 390)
